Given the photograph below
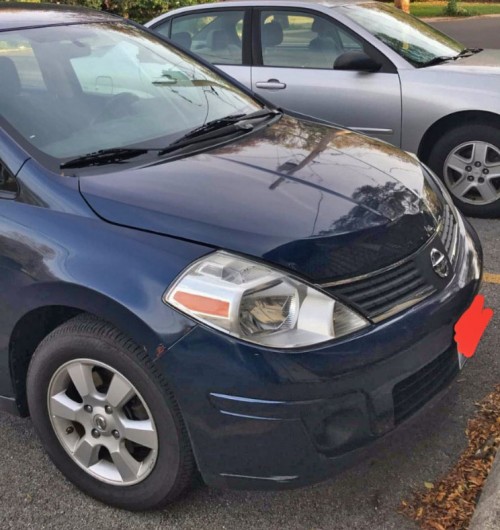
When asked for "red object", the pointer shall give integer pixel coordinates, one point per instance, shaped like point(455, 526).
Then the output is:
point(471, 326)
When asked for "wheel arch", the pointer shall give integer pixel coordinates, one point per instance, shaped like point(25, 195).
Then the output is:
point(450, 121)
point(40, 320)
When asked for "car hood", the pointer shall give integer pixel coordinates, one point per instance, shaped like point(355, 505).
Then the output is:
point(485, 62)
point(324, 202)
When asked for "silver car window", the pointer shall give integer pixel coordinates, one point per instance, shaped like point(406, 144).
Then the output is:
point(408, 36)
point(217, 37)
point(296, 39)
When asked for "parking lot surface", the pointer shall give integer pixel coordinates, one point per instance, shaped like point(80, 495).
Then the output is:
point(477, 32)
point(33, 494)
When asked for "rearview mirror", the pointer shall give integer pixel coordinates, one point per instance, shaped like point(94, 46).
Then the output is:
point(357, 61)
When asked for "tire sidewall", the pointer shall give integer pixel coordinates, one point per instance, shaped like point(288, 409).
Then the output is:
point(49, 357)
point(451, 140)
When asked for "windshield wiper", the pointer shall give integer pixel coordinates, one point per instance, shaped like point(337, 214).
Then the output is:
point(212, 129)
point(219, 127)
point(104, 156)
point(466, 52)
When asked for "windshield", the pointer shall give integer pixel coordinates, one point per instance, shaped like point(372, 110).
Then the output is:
point(78, 89)
point(411, 38)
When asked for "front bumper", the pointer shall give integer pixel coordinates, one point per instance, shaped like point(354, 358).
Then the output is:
point(262, 419)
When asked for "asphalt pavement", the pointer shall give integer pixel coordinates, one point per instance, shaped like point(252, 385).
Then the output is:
point(33, 494)
point(476, 32)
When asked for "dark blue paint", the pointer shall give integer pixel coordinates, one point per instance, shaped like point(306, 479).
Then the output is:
point(296, 194)
point(55, 251)
point(287, 390)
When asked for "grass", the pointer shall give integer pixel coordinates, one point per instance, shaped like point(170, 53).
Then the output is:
point(435, 9)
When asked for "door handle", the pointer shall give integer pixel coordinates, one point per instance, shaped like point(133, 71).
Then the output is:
point(271, 84)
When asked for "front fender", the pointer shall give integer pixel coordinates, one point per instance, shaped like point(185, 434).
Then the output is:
point(54, 258)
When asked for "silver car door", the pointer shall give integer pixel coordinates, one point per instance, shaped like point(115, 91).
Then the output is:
point(216, 35)
point(297, 50)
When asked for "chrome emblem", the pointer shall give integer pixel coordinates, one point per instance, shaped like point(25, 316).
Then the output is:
point(439, 263)
point(100, 422)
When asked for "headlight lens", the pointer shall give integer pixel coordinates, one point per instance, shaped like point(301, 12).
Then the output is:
point(259, 304)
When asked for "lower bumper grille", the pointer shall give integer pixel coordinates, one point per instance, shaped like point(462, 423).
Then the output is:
point(413, 392)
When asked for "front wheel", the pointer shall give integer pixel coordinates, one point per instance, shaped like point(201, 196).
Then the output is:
point(106, 417)
point(467, 159)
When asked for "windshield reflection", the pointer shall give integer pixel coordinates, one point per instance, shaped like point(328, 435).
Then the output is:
point(408, 36)
point(73, 90)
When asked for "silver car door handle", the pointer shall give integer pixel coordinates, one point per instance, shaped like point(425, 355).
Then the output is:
point(271, 84)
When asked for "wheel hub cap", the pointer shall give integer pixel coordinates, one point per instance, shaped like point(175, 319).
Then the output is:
point(472, 172)
point(102, 422)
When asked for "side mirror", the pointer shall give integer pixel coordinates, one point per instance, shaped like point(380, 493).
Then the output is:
point(357, 61)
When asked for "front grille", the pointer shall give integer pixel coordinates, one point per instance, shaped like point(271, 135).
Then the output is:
point(387, 292)
point(413, 392)
point(448, 232)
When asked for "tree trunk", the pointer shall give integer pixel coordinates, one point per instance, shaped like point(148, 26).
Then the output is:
point(404, 5)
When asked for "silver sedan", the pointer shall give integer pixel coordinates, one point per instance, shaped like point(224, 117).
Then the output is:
point(369, 67)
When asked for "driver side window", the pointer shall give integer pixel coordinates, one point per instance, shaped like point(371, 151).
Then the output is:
point(295, 39)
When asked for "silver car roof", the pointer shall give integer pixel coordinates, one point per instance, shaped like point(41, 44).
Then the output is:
point(252, 3)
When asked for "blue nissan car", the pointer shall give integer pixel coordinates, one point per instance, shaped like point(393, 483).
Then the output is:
point(193, 281)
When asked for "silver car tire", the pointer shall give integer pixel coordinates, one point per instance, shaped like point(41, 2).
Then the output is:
point(107, 417)
point(467, 159)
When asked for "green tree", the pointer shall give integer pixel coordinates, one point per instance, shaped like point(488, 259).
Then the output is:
point(95, 4)
point(138, 10)
point(454, 10)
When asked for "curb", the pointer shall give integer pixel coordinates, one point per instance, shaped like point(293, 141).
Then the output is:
point(487, 513)
point(456, 19)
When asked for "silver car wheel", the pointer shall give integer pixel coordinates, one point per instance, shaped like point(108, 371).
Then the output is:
point(102, 422)
point(472, 172)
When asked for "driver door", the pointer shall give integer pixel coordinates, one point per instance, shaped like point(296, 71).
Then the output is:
point(296, 51)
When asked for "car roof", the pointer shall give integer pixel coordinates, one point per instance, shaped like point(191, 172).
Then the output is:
point(24, 15)
point(324, 3)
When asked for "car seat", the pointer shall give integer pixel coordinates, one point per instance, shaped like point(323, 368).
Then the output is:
point(219, 49)
point(183, 38)
point(272, 34)
point(325, 39)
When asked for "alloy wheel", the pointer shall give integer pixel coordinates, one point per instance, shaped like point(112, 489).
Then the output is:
point(102, 422)
point(472, 172)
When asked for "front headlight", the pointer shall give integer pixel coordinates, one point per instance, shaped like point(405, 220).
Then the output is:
point(259, 304)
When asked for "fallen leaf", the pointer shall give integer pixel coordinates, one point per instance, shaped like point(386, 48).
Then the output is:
point(449, 503)
point(437, 526)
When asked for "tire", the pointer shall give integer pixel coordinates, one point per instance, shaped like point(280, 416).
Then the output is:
point(166, 465)
point(452, 158)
